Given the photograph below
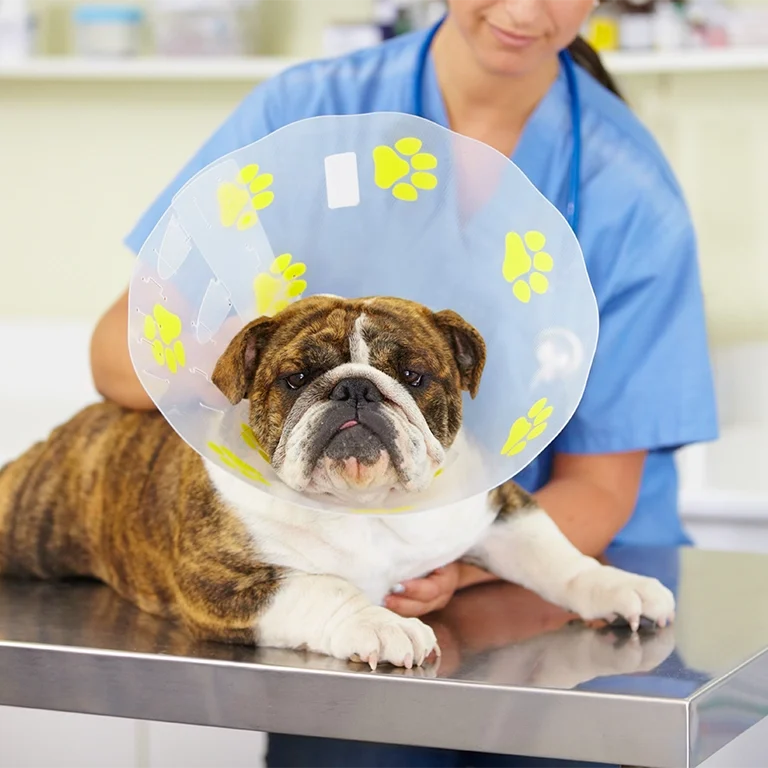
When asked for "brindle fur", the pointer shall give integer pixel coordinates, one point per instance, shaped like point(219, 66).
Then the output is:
point(510, 498)
point(116, 495)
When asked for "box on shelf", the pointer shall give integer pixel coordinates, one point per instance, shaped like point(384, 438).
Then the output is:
point(107, 30)
point(202, 27)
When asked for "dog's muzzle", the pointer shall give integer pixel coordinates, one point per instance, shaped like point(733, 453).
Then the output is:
point(356, 428)
point(355, 425)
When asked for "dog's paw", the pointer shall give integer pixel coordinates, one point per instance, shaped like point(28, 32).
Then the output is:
point(376, 635)
point(609, 593)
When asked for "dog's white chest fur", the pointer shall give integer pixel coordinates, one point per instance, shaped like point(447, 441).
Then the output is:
point(373, 553)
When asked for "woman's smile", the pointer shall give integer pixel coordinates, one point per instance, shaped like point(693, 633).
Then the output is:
point(511, 39)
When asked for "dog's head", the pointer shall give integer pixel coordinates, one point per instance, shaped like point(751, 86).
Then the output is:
point(354, 398)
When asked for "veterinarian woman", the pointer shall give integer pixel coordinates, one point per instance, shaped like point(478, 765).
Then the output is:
point(513, 74)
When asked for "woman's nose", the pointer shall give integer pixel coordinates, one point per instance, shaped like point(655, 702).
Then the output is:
point(522, 11)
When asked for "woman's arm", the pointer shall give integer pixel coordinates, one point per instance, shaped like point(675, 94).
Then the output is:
point(113, 374)
point(590, 497)
point(266, 108)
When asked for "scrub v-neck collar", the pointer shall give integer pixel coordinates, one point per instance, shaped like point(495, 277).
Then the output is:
point(543, 130)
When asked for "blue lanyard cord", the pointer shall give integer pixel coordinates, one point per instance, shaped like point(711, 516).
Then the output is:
point(421, 68)
point(573, 206)
point(574, 203)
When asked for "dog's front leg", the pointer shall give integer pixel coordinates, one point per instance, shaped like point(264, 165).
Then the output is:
point(328, 615)
point(525, 546)
point(289, 609)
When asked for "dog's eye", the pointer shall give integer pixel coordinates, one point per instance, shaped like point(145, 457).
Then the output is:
point(295, 380)
point(413, 379)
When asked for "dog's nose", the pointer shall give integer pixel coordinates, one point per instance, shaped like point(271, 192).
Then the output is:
point(358, 390)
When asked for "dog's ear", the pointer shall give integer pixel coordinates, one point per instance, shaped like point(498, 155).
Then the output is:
point(468, 348)
point(236, 368)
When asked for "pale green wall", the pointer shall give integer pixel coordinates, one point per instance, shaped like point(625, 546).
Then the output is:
point(80, 161)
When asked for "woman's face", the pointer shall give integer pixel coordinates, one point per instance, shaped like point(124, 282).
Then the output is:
point(514, 36)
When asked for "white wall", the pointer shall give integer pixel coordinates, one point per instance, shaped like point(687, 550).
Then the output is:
point(713, 127)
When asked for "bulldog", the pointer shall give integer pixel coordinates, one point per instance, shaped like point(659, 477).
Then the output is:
point(352, 399)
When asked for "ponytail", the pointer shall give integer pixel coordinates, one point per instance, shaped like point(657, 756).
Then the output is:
point(587, 57)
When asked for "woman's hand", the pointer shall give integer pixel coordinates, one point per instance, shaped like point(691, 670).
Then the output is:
point(432, 593)
point(420, 596)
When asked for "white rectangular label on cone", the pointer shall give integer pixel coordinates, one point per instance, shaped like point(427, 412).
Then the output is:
point(342, 185)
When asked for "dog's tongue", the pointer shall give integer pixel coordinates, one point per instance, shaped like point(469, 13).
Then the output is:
point(348, 424)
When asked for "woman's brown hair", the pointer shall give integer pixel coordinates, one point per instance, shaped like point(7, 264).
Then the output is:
point(587, 57)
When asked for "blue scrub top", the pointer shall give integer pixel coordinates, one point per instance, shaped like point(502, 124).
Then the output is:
point(651, 385)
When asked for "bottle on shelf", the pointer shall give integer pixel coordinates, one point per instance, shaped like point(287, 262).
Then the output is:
point(601, 29)
point(636, 24)
point(17, 30)
point(670, 31)
point(385, 17)
point(708, 22)
point(404, 19)
point(434, 10)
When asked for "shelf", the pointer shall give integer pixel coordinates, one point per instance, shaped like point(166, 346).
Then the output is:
point(697, 60)
point(250, 69)
point(254, 69)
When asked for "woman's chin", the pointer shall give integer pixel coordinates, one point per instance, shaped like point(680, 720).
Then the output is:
point(511, 63)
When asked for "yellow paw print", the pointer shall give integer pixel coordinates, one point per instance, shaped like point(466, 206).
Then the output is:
point(239, 202)
point(167, 349)
point(249, 438)
point(526, 429)
point(391, 167)
point(235, 462)
point(518, 264)
point(275, 289)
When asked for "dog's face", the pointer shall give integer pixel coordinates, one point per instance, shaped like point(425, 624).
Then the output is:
point(354, 398)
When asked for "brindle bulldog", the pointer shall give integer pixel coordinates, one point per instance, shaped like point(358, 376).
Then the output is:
point(351, 398)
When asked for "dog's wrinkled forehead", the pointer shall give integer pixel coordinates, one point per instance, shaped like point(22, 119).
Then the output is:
point(320, 333)
point(381, 332)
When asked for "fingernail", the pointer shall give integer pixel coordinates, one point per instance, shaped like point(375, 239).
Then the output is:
point(398, 589)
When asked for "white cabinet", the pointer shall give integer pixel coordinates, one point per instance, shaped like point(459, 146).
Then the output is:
point(32, 738)
point(186, 746)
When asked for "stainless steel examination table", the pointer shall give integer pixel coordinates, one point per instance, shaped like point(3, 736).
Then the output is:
point(516, 676)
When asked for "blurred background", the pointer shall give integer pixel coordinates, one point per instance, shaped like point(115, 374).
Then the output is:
point(101, 104)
